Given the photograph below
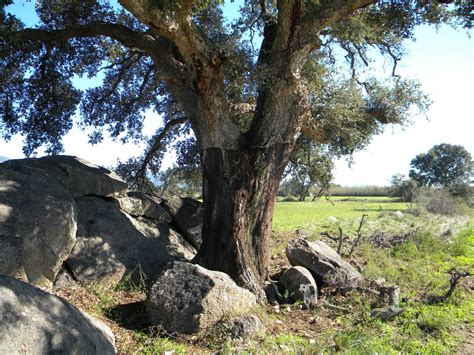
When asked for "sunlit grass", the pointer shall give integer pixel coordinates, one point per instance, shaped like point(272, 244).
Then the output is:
point(289, 216)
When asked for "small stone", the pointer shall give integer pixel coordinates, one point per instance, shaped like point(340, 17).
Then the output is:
point(284, 347)
point(312, 320)
point(279, 322)
point(288, 309)
point(303, 233)
point(247, 327)
point(386, 313)
point(379, 282)
point(312, 341)
point(397, 214)
point(301, 285)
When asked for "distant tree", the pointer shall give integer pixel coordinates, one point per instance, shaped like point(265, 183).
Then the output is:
point(443, 165)
point(179, 181)
point(402, 188)
point(309, 166)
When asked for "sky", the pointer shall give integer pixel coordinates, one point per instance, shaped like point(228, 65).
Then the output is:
point(443, 61)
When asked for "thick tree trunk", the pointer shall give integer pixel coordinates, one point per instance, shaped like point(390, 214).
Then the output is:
point(240, 187)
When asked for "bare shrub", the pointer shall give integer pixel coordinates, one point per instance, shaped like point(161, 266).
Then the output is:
point(438, 201)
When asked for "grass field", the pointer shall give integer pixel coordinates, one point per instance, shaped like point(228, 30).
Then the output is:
point(419, 266)
point(312, 215)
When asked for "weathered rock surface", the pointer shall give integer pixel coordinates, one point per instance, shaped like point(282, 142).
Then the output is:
point(187, 298)
point(301, 285)
point(35, 322)
point(77, 176)
point(187, 214)
point(323, 262)
point(37, 224)
point(138, 204)
point(111, 244)
point(247, 327)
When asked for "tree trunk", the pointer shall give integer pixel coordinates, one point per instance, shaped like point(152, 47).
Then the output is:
point(240, 188)
point(304, 192)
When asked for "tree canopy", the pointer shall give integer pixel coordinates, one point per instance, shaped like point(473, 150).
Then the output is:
point(444, 165)
point(88, 38)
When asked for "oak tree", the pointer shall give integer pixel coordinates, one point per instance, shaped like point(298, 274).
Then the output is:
point(244, 88)
point(443, 165)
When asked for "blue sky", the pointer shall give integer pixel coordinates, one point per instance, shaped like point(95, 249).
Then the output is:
point(443, 60)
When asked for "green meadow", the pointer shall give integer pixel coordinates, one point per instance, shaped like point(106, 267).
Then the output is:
point(432, 245)
point(313, 215)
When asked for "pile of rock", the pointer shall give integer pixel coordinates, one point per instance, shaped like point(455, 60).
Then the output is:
point(314, 264)
point(61, 209)
point(64, 220)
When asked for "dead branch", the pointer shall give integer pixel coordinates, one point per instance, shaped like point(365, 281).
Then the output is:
point(338, 240)
point(359, 235)
point(453, 282)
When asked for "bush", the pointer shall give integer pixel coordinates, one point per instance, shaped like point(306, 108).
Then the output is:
point(464, 191)
point(402, 188)
point(358, 191)
point(438, 201)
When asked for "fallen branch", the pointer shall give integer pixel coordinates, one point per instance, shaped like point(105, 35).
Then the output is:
point(455, 277)
point(333, 306)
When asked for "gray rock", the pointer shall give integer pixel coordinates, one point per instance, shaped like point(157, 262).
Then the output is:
point(35, 322)
point(303, 233)
point(247, 327)
point(386, 313)
point(323, 262)
point(37, 225)
point(111, 244)
point(188, 298)
point(139, 204)
point(301, 285)
point(187, 214)
point(77, 176)
point(64, 281)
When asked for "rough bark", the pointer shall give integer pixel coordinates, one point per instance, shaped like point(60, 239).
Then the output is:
point(240, 188)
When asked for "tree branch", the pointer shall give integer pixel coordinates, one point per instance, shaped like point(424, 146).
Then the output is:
point(326, 13)
point(159, 49)
point(124, 35)
point(141, 174)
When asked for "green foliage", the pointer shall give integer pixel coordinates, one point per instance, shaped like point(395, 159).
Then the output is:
point(419, 266)
point(107, 299)
point(288, 343)
point(443, 165)
point(147, 344)
point(170, 6)
point(402, 188)
point(135, 281)
point(38, 97)
point(309, 167)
